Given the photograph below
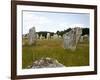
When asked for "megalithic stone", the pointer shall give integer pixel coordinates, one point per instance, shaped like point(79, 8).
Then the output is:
point(71, 38)
point(48, 36)
point(32, 36)
point(55, 36)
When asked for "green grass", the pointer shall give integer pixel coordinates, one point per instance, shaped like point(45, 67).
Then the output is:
point(54, 49)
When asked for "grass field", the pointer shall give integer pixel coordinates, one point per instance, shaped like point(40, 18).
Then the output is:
point(54, 49)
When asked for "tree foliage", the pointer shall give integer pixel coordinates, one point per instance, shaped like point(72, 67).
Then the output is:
point(44, 33)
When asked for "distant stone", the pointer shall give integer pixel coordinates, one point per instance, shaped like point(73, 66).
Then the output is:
point(46, 63)
point(32, 36)
point(48, 35)
point(55, 36)
point(59, 36)
point(41, 36)
point(81, 39)
point(51, 37)
point(37, 36)
point(86, 37)
point(71, 38)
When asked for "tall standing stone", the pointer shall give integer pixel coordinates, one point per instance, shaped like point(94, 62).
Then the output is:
point(32, 36)
point(48, 35)
point(71, 38)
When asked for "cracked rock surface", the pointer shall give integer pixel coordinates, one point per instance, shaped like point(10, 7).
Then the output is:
point(46, 63)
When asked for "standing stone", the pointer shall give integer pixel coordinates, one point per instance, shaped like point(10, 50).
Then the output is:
point(37, 36)
point(85, 37)
point(59, 36)
point(51, 37)
point(23, 43)
point(48, 35)
point(32, 36)
point(41, 37)
point(71, 38)
point(81, 39)
point(55, 36)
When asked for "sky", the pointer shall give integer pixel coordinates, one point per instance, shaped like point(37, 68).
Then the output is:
point(53, 21)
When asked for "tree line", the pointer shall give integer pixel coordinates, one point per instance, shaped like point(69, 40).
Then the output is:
point(44, 33)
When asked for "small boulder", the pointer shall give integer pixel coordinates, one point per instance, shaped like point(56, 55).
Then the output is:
point(46, 63)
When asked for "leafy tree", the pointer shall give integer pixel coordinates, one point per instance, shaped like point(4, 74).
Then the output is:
point(85, 31)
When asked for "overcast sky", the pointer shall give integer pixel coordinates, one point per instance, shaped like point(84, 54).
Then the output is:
point(51, 21)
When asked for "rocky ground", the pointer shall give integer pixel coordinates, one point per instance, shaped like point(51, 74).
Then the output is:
point(46, 63)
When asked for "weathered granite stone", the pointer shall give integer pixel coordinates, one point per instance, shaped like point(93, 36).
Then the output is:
point(81, 39)
point(51, 37)
point(37, 36)
point(71, 38)
point(48, 35)
point(86, 37)
point(41, 37)
point(32, 36)
point(46, 63)
point(59, 36)
point(55, 36)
